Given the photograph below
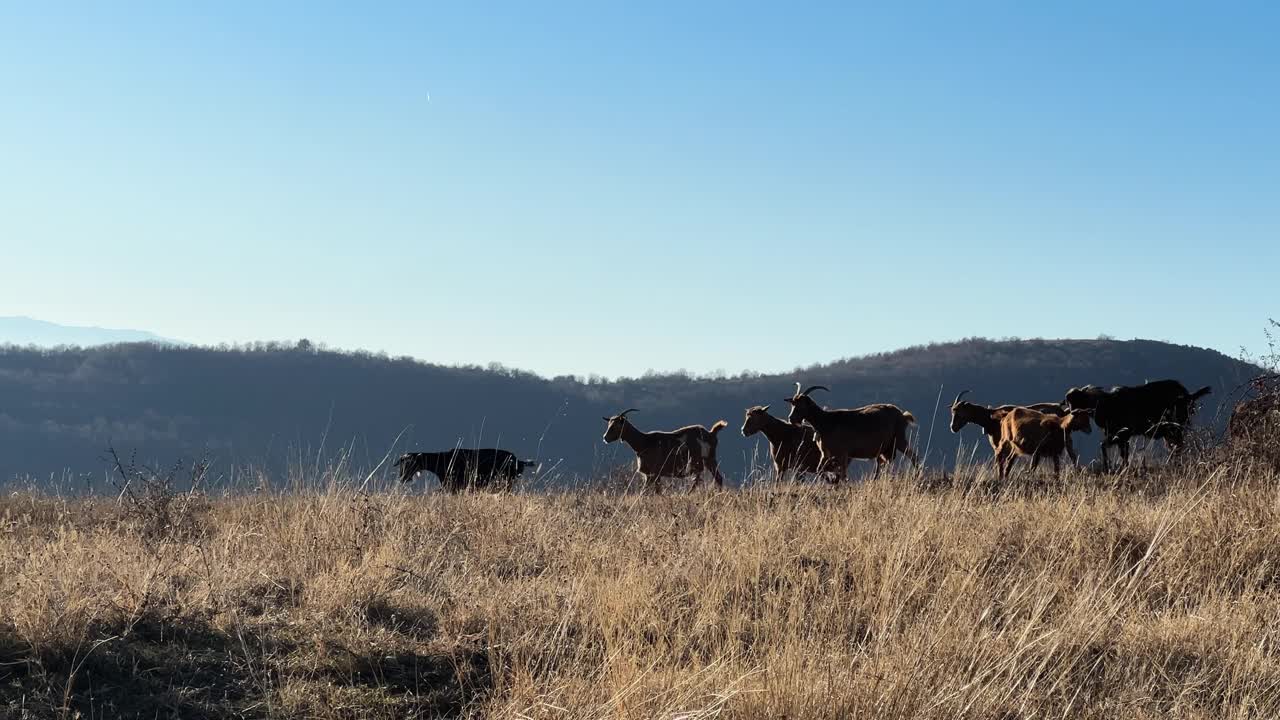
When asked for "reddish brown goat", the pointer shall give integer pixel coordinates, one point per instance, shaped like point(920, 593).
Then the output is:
point(791, 447)
point(685, 452)
point(873, 431)
point(1039, 435)
point(988, 418)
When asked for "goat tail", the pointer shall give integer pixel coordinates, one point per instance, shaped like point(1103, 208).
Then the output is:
point(720, 425)
point(1200, 393)
point(911, 419)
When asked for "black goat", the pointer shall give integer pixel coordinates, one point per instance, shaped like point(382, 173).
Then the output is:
point(461, 468)
point(1146, 410)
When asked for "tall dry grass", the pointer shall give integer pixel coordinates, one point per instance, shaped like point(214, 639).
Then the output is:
point(1149, 595)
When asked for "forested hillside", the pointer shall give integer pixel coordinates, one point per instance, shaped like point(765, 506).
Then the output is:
point(269, 406)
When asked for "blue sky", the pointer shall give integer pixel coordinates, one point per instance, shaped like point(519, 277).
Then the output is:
point(605, 187)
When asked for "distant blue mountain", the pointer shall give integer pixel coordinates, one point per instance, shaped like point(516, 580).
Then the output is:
point(29, 331)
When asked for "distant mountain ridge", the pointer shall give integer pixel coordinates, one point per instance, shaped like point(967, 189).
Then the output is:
point(276, 407)
point(19, 330)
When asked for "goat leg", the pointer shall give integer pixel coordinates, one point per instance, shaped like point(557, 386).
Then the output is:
point(715, 473)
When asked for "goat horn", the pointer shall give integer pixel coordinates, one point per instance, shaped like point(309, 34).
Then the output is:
point(811, 388)
point(628, 410)
point(797, 390)
point(764, 409)
point(962, 394)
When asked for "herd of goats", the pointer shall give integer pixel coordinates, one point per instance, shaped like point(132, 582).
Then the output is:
point(821, 442)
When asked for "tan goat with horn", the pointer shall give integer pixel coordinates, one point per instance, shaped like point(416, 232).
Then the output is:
point(685, 452)
point(791, 447)
point(873, 431)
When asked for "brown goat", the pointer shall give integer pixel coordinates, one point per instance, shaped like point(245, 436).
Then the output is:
point(688, 451)
point(873, 431)
point(1039, 435)
point(988, 418)
point(792, 448)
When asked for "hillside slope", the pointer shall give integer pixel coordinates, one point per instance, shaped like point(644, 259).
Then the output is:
point(268, 405)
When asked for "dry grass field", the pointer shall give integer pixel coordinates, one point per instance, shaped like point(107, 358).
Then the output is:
point(1152, 594)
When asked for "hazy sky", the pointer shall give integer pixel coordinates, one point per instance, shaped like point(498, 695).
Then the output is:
point(600, 187)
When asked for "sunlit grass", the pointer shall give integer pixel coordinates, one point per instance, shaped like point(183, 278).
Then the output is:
point(1152, 594)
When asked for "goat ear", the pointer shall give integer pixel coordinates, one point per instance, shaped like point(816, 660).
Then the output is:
point(789, 401)
point(605, 418)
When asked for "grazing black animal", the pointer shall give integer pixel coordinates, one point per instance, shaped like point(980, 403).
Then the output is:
point(1147, 410)
point(1173, 435)
point(463, 467)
